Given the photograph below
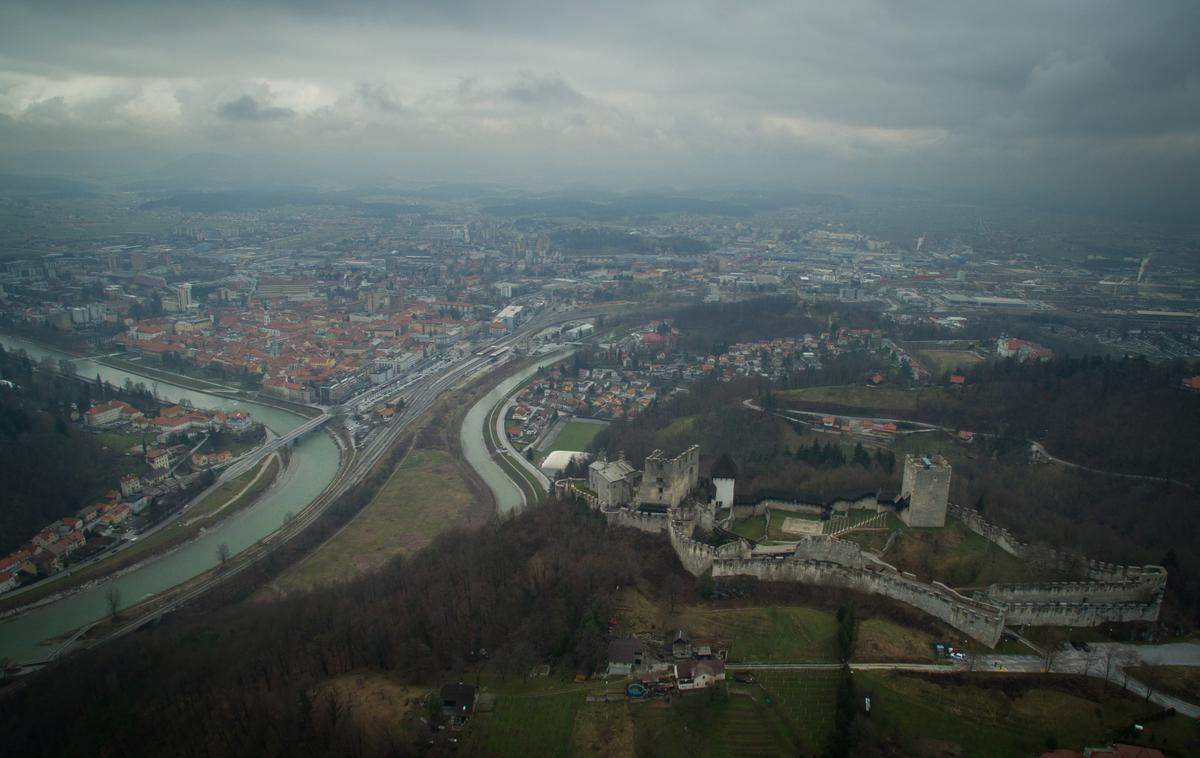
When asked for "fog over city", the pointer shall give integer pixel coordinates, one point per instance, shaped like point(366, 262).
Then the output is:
point(1099, 101)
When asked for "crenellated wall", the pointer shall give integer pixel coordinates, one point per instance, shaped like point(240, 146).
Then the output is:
point(1135, 590)
point(1111, 592)
point(1155, 576)
point(1089, 602)
point(997, 535)
point(840, 505)
point(1081, 614)
point(698, 557)
point(981, 620)
point(655, 523)
point(824, 548)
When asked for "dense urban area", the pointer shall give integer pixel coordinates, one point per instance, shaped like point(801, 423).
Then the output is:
point(651, 379)
point(774, 435)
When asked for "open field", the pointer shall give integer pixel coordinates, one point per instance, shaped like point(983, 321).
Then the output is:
point(1003, 715)
point(750, 528)
point(712, 724)
point(775, 530)
point(879, 639)
point(564, 723)
point(805, 700)
point(576, 435)
point(603, 729)
point(938, 362)
point(219, 499)
point(953, 555)
point(526, 725)
point(867, 398)
point(425, 495)
point(772, 633)
point(379, 705)
point(766, 634)
point(124, 441)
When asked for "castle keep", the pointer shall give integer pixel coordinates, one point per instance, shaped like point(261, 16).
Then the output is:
point(663, 498)
point(926, 487)
point(667, 481)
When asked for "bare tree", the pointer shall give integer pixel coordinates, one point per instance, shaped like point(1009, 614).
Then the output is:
point(222, 553)
point(113, 600)
point(1110, 659)
point(1048, 657)
point(1091, 658)
point(674, 586)
point(1126, 659)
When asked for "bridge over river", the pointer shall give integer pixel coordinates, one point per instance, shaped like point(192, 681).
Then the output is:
point(251, 459)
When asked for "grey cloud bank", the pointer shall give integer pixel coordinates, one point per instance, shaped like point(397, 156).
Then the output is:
point(1093, 99)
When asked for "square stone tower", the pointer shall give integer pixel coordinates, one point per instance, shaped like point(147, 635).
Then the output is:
point(927, 487)
point(667, 481)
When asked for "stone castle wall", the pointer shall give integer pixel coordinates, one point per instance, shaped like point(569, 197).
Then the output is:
point(1081, 614)
point(823, 548)
point(1106, 583)
point(1155, 576)
point(655, 523)
point(997, 535)
point(1111, 593)
point(981, 620)
point(698, 557)
point(869, 503)
point(1133, 591)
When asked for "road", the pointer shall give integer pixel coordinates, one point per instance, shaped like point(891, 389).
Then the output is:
point(1039, 448)
point(1104, 660)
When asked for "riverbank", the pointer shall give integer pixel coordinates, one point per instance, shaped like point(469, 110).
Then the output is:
point(192, 520)
point(481, 447)
point(316, 461)
point(153, 373)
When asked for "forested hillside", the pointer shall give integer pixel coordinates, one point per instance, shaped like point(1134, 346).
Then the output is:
point(49, 467)
point(244, 680)
point(1124, 415)
point(707, 327)
point(771, 456)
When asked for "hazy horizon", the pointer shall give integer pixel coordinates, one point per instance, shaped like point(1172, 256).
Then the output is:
point(1097, 101)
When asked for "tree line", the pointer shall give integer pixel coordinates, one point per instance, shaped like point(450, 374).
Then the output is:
point(50, 469)
point(536, 587)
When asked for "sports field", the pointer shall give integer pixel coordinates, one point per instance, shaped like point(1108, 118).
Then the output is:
point(576, 435)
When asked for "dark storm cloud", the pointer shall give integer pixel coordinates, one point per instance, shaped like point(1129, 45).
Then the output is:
point(379, 96)
point(1015, 93)
point(534, 90)
point(246, 108)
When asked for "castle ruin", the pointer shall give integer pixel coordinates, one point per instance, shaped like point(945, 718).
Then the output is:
point(926, 487)
point(663, 499)
point(667, 481)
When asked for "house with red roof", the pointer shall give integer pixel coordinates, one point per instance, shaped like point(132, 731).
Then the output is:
point(110, 413)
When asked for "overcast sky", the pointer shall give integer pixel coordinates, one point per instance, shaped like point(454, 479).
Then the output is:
point(1081, 96)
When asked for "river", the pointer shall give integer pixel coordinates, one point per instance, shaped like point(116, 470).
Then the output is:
point(508, 494)
point(314, 464)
